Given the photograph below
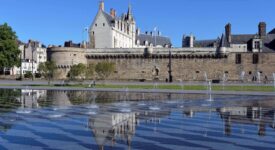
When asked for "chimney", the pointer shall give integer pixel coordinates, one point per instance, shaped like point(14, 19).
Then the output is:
point(101, 5)
point(113, 13)
point(228, 32)
point(191, 41)
point(262, 29)
point(138, 32)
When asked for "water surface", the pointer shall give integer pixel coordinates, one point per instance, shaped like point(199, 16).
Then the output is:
point(33, 119)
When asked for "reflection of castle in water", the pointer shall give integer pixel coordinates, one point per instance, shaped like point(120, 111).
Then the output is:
point(29, 98)
point(247, 115)
point(43, 98)
point(109, 127)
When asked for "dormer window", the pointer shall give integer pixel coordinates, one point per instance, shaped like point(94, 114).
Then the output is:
point(257, 45)
point(103, 24)
point(146, 43)
point(96, 24)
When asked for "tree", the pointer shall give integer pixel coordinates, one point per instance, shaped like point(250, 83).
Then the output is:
point(47, 70)
point(77, 70)
point(90, 72)
point(104, 69)
point(9, 52)
point(28, 74)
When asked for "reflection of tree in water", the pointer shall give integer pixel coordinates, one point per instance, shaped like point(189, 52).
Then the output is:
point(106, 97)
point(53, 98)
point(8, 102)
point(78, 97)
point(68, 98)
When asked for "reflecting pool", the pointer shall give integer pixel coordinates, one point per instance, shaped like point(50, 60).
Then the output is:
point(32, 119)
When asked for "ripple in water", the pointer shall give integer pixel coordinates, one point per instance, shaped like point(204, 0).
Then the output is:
point(141, 104)
point(171, 102)
point(55, 115)
point(154, 108)
point(122, 104)
point(125, 110)
point(60, 108)
point(92, 107)
point(23, 111)
point(91, 113)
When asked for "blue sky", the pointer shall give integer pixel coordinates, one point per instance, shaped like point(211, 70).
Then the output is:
point(55, 21)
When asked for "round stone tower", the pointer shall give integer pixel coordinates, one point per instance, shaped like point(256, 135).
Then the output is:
point(65, 58)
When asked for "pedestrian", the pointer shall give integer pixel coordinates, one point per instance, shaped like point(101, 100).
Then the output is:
point(93, 83)
point(265, 79)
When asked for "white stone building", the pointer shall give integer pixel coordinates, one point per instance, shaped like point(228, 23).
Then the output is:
point(111, 31)
point(35, 51)
point(32, 54)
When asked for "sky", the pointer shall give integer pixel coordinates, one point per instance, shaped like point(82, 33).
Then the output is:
point(55, 21)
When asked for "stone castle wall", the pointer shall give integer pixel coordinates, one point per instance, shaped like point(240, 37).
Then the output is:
point(134, 64)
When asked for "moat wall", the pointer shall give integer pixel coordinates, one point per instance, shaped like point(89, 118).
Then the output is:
point(185, 66)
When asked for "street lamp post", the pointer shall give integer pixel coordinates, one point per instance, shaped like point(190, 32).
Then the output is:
point(85, 36)
point(21, 70)
point(170, 67)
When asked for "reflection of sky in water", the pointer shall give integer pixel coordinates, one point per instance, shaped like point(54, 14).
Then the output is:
point(84, 120)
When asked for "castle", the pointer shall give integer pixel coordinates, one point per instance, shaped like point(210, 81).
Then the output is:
point(111, 31)
point(152, 57)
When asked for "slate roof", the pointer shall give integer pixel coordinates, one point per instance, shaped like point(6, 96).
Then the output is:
point(159, 40)
point(19, 42)
point(241, 38)
point(272, 31)
point(205, 43)
point(109, 18)
point(269, 43)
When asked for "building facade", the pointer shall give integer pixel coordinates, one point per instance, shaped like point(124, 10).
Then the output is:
point(228, 42)
point(111, 31)
point(32, 54)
